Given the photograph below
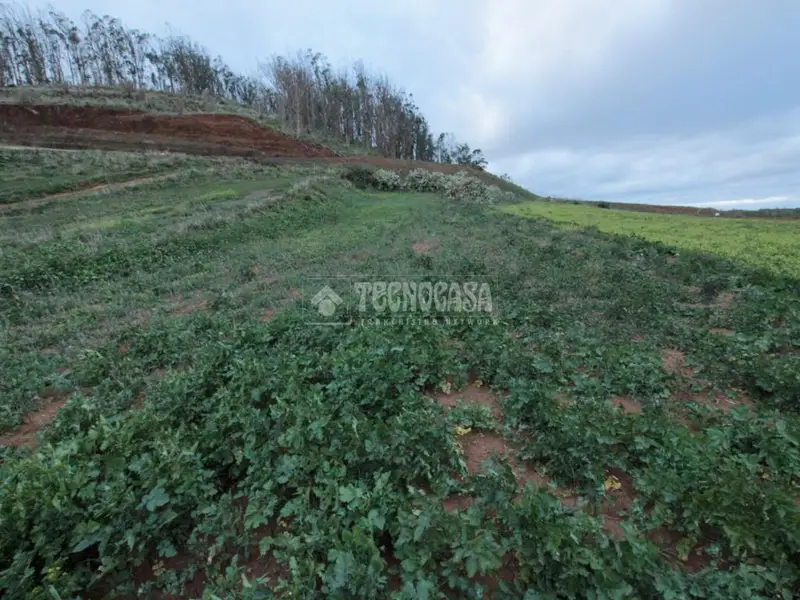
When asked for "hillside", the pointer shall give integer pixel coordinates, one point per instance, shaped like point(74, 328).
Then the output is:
point(109, 99)
point(213, 384)
point(269, 337)
point(114, 120)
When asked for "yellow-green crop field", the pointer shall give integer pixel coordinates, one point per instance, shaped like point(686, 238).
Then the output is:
point(763, 243)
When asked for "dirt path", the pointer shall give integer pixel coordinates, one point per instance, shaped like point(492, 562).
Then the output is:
point(25, 435)
point(105, 187)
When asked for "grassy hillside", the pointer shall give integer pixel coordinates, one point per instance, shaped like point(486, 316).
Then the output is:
point(622, 422)
point(33, 174)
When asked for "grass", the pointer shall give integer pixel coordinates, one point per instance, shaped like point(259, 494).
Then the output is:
point(213, 439)
point(763, 244)
point(32, 174)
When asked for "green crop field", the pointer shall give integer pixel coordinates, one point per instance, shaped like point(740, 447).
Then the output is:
point(625, 425)
point(773, 245)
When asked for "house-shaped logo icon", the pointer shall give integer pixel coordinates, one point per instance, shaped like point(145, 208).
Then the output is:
point(326, 301)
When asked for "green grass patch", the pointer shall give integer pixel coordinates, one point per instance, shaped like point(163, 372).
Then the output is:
point(762, 243)
point(35, 173)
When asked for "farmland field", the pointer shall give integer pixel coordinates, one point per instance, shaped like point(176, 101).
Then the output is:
point(773, 245)
point(174, 423)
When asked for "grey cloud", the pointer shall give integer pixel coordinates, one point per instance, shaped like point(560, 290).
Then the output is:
point(746, 161)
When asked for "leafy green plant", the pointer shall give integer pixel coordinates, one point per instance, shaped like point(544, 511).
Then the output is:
point(472, 415)
point(201, 434)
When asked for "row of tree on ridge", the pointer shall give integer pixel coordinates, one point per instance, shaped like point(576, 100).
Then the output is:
point(303, 91)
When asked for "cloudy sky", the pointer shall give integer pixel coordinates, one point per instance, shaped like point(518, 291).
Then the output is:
point(660, 101)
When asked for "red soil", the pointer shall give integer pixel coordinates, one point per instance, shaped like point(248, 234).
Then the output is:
point(34, 421)
point(99, 128)
point(224, 130)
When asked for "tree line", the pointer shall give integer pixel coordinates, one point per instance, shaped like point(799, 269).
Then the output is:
point(303, 91)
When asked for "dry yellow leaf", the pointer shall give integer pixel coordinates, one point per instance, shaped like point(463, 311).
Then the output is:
point(612, 483)
point(462, 430)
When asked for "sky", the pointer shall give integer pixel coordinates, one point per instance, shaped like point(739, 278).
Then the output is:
point(692, 102)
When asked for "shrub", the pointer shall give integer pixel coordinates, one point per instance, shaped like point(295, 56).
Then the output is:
point(466, 188)
point(420, 180)
point(310, 188)
point(603, 205)
point(495, 195)
point(387, 180)
point(462, 186)
point(360, 176)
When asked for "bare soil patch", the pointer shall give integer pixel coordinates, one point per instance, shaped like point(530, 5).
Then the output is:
point(620, 496)
point(722, 401)
point(669, 541)
point(206, 129)
point(187, 307)
point(458, 502)
point(195, 564)
point(472, 395)
point(675, 363)
point(35, 421)
point(724, 299)
point(425, 247)
point(628, 404)
point(99, 128)
point(479, 446)
point(564, 401)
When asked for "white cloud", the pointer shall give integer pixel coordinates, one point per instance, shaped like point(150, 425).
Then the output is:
point(748, 202)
